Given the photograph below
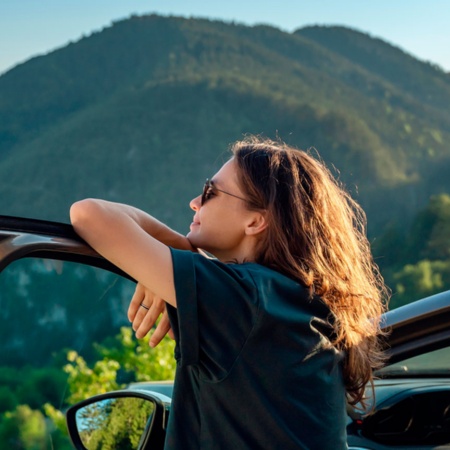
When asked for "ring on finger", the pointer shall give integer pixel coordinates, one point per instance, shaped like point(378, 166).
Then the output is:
point(144, 306)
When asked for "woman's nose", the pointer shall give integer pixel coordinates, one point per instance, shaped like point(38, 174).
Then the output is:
point(195, 203)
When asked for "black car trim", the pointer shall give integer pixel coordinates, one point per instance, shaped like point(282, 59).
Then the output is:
point(21, 238)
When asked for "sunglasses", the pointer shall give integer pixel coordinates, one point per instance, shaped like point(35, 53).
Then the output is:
point(208, 192)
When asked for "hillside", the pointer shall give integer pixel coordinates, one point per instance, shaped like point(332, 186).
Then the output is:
point(144, 111)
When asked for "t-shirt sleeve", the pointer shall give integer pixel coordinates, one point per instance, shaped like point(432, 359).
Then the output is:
point(217, 307)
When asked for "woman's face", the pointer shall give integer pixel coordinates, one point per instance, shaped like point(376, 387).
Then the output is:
point(219, 224)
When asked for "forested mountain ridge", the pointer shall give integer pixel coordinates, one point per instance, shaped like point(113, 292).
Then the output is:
point(421, 81)
point(144, 110)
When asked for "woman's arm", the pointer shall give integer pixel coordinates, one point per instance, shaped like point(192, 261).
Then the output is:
point(130, 239)
point(161, 231)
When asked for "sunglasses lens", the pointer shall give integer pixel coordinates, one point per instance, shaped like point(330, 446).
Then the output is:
point(206, 188)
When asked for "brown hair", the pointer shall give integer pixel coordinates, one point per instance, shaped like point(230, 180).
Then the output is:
point(316, 235)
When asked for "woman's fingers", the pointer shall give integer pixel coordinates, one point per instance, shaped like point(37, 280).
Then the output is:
point(143, 323)
point(144, 310)
point(161, 330)
point(136, 300)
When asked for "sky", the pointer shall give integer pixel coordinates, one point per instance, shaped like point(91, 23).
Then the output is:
point(34, 27)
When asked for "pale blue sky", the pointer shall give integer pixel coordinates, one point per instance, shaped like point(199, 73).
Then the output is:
point(32, 27)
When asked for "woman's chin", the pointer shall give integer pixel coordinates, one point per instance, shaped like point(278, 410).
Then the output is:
point(192, 235)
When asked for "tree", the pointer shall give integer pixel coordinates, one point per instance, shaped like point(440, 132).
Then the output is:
point(8, 400)
point(120, 357)
point(137, 358)
point(430, 234)
point(23, 429)
point(415, 281)
point(42, 385)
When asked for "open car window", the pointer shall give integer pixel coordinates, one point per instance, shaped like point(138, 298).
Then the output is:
point(48, 309)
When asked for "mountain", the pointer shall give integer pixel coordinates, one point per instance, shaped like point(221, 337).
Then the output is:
point(144, 111)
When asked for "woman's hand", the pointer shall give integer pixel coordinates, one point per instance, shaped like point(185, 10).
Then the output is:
point(144, 310)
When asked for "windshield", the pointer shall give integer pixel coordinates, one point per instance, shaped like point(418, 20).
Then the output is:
point(434, 363)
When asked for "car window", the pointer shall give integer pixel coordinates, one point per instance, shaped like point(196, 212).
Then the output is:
point(435, 362)
point(50, 310)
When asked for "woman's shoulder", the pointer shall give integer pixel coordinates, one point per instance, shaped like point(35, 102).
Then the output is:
point(267, 275)
point(265, 279)
point(278, 290)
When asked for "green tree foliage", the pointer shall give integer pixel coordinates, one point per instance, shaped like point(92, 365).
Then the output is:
point(43, 385)
point(8, 400)
point(416, 262)
point(389, 249)
point(422, 81)
point(116, 357)
point(85, 382)
point(26, 429)
point(32, 394)
point(31, 386)
point(416, 281)
point(23, 429)
point(120, 354)
point(430, 235)
point(48, 390)
point(136, 357)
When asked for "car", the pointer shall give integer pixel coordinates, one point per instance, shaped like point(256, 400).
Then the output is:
point(409, 407)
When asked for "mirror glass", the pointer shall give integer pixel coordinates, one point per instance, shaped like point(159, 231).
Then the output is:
point(116, 423)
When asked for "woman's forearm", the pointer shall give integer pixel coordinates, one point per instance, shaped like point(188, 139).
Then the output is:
point(153, 226)
point(161, 231)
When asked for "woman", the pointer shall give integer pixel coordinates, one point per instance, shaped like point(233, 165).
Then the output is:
point(280, 330)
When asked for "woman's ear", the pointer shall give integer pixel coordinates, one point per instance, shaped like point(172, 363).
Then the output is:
point(257, 223)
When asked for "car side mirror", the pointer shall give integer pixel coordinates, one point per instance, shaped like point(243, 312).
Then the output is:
point(126, 420)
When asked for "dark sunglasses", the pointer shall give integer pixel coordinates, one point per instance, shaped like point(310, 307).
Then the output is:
point(208, 192)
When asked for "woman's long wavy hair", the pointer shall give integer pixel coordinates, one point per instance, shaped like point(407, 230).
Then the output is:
point(316, 235)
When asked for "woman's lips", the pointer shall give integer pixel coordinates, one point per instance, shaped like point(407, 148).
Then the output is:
point(194, 224)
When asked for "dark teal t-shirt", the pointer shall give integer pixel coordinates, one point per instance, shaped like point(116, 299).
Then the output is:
point(255, 368)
